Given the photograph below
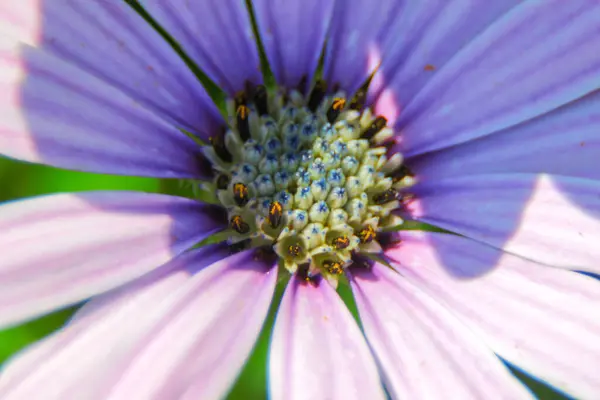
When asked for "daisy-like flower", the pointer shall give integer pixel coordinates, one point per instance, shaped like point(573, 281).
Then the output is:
point(478, 117)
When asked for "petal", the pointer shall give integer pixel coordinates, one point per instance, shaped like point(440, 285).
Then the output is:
point(131, 309)
point(293, 33)
point(182, 333)
point(550, 219)
point(217, 35)
point(203, 347)
point(544, 320)
point(426, 35)
point(562, 142)
point(317, 350)
point(423, 350)
point(112, 42)
point(358, 30)
point(537, 57)
point(58, 115)
point(61, 249)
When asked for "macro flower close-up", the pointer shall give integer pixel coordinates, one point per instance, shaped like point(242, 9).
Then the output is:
point(399, 198)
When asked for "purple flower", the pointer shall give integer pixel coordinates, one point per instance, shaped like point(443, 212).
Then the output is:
point(485, 123)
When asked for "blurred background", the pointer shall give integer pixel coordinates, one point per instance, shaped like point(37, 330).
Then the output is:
point(20, 180)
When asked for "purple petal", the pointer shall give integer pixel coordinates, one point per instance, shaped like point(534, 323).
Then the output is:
point(60, 116)
point(425, 36)
point(112, 42)
point(183, 333)
point(544, 320)
point(537, 57)
point(61, 249)
point(423, 350)
point(563, 142)
point(549, 219)
point(217, 35)
point(293, 33)
point(358, 30)
point(317, 349)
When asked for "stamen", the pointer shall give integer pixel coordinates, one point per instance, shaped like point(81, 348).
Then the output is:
point(242, 122)
point(360, 98)
point(333, 267)
point(218, 144)
point(336, 108)
point(223, 181)
point(402, 172)
point(316, 95)
point(240, 194)
point(304, 273)
point(374, 128)
point(302, 84)
point(294, 250)
point(340, 242)
point(385, 197)
point(367, 234)
point(275, 214)
point(358, 101)
point(240, 99)
point(238, 225)
point(261, 100)
point(243, 111)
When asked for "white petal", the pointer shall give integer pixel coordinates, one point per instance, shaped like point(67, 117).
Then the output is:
point(423, 350)
point(182, 332)
point(317, 349)
point(62, 249)
point(544, 320)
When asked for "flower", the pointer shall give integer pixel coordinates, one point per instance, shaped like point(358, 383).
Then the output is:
point(494, 115)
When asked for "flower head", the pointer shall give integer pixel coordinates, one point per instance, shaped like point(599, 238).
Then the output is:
point(307, 176)
point(477, 119)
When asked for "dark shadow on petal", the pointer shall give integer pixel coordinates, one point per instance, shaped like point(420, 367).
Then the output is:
point(542, 390)
point(548, 219)
point(590, 274)
point(191, 222)
point(447, 201)
point(563, 140)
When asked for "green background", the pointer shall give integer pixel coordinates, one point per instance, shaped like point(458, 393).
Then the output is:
point(19, 180)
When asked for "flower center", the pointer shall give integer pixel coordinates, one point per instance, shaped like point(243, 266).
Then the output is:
point(309, 176)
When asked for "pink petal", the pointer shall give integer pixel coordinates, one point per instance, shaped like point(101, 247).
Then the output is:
point(217, 35)
point(544, 320)
point(182, 333)
point(549, 219)
point(317, 349)
point(423, 350)
point(58, 250)
point(293, 33)
point(537, 57)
